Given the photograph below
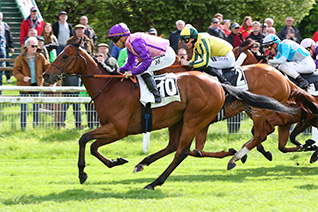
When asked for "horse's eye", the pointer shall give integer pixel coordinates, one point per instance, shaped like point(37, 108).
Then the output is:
point(65, 57)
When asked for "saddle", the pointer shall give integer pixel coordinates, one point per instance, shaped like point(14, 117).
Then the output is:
point(236, 77)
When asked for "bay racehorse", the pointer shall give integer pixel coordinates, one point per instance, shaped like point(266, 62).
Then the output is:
point(303, 119)
point(118, 107)
point(264, 80)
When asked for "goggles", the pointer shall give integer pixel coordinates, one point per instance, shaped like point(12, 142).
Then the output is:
point(269, 47)
point(185, 40)
point(115, 39)
point(308, 48)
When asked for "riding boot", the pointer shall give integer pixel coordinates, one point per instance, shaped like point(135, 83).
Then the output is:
point(302, 82)
point(151, 84)
point(213, 72)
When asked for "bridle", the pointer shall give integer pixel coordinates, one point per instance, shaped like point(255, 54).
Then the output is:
point(76, 57)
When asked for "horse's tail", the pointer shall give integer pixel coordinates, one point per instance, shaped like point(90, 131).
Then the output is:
point(306, 101)
point(255, 100)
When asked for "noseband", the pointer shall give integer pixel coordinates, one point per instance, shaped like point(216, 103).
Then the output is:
point(63, 75)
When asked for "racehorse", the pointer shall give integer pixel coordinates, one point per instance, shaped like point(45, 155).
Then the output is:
point(118, 107)
point(272, 84)
point(303, 120)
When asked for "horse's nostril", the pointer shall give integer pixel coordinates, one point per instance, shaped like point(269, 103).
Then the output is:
point(45, 76)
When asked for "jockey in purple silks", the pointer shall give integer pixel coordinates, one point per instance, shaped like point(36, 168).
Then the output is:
point(155, 54)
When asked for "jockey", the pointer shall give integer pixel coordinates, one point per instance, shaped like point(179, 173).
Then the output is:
point(210, 53)
point(291, 58)
point(311, 46)
point(154, 52)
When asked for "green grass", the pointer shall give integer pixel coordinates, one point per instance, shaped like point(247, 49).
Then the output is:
point(39, 173)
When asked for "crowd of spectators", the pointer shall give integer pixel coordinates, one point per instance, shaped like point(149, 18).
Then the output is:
point(42, 42)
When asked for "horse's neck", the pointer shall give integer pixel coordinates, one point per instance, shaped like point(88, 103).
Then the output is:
point(93, 85)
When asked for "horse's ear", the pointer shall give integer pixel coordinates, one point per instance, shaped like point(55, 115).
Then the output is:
point(77, 43)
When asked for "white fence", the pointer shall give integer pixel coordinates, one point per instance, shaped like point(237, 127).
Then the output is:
point(52, 103)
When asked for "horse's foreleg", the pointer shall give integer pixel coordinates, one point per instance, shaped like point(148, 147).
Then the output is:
point(283, 134)
point(81, 158)
point(300, 127)
point(104, 135)
point(262, 127)
point(174, 136)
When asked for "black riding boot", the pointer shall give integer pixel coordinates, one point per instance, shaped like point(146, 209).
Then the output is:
point(151, 84)
point(302, 82)
point(213, 72)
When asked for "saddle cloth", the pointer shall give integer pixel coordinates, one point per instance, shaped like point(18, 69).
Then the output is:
point(236, 77)
point(167, 86)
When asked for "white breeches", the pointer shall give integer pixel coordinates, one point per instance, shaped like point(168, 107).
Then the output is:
point(293, 69)
point(221, 62)
point(162, 61)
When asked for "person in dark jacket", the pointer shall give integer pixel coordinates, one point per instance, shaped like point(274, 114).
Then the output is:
point(62, 31)
point(235, 37)
point(215, 30)
point(174, 36)
point(88, 30)
point(6, 32)
point(289, 21)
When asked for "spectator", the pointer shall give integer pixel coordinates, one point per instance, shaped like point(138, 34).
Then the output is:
point(264, 28)
point(246, 28)
point(182, 53)
point(291, 35)
point(31, 33)
point(51, 42)
point(6, 32)
point(88, 30)
point(86, 43)
point(28, 69)
point(289, 21)
point(215, 29)
point(219, 16)
point(235, 37)
point(269, 22)
point(32, 21)
point(315, 36)
point(227, 25)
point(271, 30)
point(122, 58)
point(62, 31)
point(153, 31)
point(311, 46)
point(256, 34)
point(3, 53)
point(174, 36)
point(115, 52)
point(44, 51)
point(109, 60)
point(256, 50)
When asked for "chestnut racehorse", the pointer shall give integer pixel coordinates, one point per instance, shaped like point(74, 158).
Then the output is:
point(118, 107)
point(303, 119)
point(264, 80)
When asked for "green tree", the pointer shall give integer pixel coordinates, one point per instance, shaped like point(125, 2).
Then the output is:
point(140, 15)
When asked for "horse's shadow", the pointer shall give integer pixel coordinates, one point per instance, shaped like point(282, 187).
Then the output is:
point(240, 175)
point(82, 195)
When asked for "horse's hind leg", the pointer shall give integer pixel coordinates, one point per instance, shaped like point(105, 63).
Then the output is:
point(283, 134)
point(300, 127)
point(174, 135)
point(200, 140)
point(104, 135)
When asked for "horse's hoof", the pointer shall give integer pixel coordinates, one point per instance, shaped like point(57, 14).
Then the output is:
point(138, 168)
point(231, 165)
point(83, 178)
point(149, 187)
point(314, 158)
point(121, 161)
point(197, 153)
point(244, 158)
point(232, 151)
point(268, 156)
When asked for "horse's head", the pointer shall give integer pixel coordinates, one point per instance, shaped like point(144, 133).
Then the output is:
point(69, 61)
point(245, 47)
